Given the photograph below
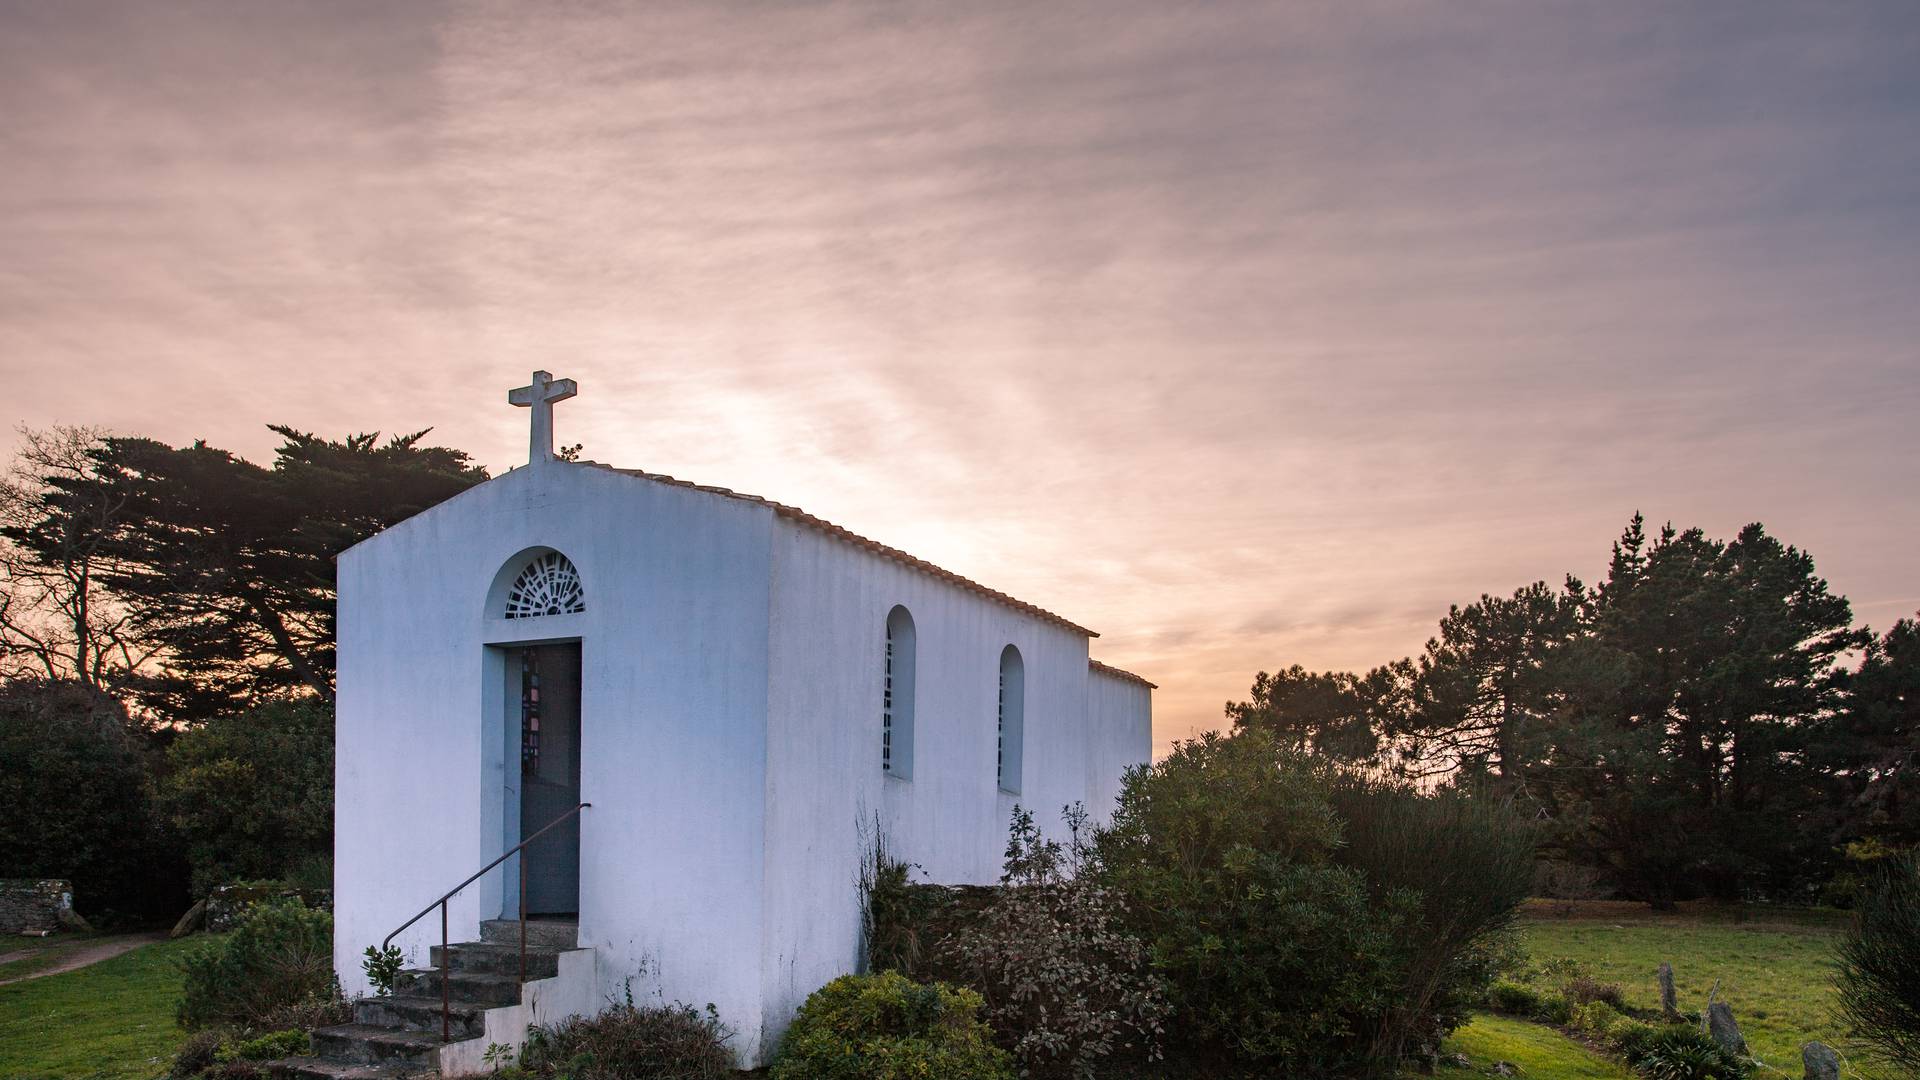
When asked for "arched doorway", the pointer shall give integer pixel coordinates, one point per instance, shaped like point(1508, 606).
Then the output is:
point(544, 682)
point(534, 613)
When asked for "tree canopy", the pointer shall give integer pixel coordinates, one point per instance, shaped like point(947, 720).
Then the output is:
point(220, 569)
point(1687, 726)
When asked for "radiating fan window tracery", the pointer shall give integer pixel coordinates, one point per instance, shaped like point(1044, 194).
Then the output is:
point(548, 586)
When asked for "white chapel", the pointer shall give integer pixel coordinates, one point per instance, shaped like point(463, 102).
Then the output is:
point(699, 705)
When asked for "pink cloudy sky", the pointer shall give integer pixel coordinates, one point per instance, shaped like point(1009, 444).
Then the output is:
point(1247, 335)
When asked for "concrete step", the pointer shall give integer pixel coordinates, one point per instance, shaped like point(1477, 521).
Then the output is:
point(367, 1044)
point(545, 933)
point(492, 958)
point(421, 1012)
point(485, 989)
point(313, 1068)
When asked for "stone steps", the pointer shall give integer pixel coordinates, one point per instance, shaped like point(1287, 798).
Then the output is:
point(479, 987)
point(398, 1036)
point(368, 1044)
point(313, 1068)
point(418, 1012)
point(491, 958)
point(541, 933)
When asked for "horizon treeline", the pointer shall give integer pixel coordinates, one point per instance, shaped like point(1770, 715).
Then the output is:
point(166, 655)
point(1705, 722)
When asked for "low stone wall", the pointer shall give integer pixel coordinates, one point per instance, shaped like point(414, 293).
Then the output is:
point(227, 903)
point(33, 905)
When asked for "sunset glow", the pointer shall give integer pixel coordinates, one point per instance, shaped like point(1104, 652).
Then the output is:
point(1250, 335)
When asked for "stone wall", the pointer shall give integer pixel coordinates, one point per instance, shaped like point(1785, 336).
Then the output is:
point(33, 905)
point(227, 903)
point(915, 922)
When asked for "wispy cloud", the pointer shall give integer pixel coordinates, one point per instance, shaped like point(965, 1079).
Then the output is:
point(1247, 334)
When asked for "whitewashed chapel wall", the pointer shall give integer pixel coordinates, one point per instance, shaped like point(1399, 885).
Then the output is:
point(824, 782)
point(673, 726)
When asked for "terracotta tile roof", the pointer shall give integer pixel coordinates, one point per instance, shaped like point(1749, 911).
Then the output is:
point(1109, 669)
point(795, 514)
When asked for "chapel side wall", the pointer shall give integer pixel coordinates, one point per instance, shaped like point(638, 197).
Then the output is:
point(673, 702)
point(407, 762)
point(825, 786)
point(1120, 720)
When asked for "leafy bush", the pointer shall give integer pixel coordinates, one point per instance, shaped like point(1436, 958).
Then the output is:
point(252, 794)
point(311, 875)
point(666, 1042)
point(383, 967)
point(280, 956)
point(1631, 1037)
point(324, 1008)
point(1679, 1052)
point(1065, 983)
point(1880, 963)
point(894, 917)
point(196, 1055)
point(886, 1027)
point(1585, 989)
point(220, 1055)
point(1466, 861)
point(1229, 853)
point(76, 800)
point(1594, 1019)
point(1554, 1009)
point(1511, 997)
point(268, 1047)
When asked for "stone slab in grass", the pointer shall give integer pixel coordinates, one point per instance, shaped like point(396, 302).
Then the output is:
point(1774, 966)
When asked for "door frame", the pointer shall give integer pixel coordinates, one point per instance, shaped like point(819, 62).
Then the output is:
point(500, 751)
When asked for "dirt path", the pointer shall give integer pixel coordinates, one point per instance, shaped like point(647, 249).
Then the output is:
point(91, 953)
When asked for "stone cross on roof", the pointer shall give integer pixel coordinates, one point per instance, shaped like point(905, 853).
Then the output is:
point(540, 397)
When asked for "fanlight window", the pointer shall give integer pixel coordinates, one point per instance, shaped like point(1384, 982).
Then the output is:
point(548, 586)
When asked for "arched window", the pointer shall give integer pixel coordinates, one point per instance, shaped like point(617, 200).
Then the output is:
point(896, 697)
point(1012, 723)
point(549, 585)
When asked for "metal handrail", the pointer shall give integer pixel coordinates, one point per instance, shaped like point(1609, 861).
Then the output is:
point(446, 962)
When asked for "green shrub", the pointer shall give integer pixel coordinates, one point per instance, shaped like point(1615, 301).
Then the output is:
point(280, 956)
point(311, 875)
point(1466, 859)
point(1680, 1052)
point(196, 1055)
point(383, 967)
point(1518, 999)
point(268, 1047)
point(1879, 962)
point(1554, 1009)
point(1631, 1037)
point(886, 1027)
point(252, 794)
point(1593, 1019)
point(1064, 981)
point(76, 801)
point(665, 1042)
point(1584, 989)
point(893, 914)
point(324, 1008)
point(1271, 951)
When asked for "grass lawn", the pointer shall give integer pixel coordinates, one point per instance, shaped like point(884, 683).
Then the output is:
point(110, 1021)
point(1540, 1051)
point(32, 954)
point(1774, 967)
